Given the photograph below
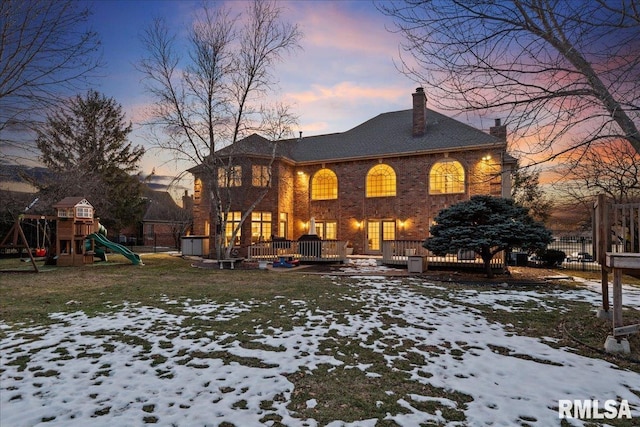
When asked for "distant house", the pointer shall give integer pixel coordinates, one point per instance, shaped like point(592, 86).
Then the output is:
point(385, 179)
point(163, 222)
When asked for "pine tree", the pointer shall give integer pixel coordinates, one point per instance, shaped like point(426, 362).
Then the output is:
point(86, 145)
point(486, 225)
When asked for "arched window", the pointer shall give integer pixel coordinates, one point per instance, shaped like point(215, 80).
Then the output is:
point(324, 185)
point(381, 181)
point(446, 177)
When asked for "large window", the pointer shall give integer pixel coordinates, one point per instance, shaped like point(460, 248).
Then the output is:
point(233, 219)
point(446, 177)
point(260, 226)
point(381, 181)
point(324, 185)
point(230, 177)
point(259, 175)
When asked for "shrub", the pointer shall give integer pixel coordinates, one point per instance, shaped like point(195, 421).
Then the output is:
point(553, 257)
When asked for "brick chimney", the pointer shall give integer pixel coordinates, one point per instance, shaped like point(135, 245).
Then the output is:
point(499, 131)
point(187, 201)
point(419, 112)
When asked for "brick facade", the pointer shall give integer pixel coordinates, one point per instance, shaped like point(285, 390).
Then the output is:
point(410, 212)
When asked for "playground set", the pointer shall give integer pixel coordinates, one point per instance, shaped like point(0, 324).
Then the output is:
point(79, 237)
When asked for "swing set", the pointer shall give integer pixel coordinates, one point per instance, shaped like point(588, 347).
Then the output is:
point(17, 239)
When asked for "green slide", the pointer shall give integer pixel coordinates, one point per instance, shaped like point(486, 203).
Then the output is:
point(101, 240)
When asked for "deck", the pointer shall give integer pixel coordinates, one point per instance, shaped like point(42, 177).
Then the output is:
point(303, 251)
point(397, 253)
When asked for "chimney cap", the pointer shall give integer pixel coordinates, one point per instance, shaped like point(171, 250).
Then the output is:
point(498, 122)
point(419, 89)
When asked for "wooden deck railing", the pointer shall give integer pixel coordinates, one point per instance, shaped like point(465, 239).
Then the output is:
point(616, 231)
point(616, 228)
point(310, 251)
point(397, 252)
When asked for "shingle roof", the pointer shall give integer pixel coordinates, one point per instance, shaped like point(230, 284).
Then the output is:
point(387, 134)
point(70, 202)
point(161, 206)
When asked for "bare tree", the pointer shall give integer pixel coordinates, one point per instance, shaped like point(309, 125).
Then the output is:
point(45, 54)
point(215, 95)
point(527, 192)
point(567, 73)
point(612, 169)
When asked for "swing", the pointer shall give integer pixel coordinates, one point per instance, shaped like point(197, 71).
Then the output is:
point(41, 250)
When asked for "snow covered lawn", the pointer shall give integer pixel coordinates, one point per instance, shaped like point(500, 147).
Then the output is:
point(390, 351)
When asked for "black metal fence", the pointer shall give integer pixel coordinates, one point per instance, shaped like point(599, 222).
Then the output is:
point(579, 254)
point(579, 251)
point(151, 242)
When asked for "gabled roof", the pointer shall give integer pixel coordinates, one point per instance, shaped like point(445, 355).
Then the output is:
point(388, 134)
point(161, 207)
point(70, 202)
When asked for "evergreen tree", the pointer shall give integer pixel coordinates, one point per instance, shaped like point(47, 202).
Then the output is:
point(486, 225)
point(86, 145)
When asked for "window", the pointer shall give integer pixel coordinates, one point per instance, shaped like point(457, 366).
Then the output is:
point(260, 226)
point(84, 212)
point(259, 175)
point(324, 185)
point(283, 225)
point(446, 177)
point(327, 230)
point(65, 213)
point(197, 190)
point(381, 181)
point(230, 177)
point(233, 219)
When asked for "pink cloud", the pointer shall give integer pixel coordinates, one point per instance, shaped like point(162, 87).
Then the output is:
point(349, 93)
point(335, 26)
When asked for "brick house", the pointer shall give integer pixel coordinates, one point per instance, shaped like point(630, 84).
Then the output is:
point(385, 179)
point(163, 222)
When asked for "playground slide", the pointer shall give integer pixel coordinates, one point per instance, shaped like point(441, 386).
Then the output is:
point(115, 247)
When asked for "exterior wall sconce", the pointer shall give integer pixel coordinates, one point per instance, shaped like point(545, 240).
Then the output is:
point(305, 225)
point(358, 225)
point(402, 224)
point(486, 158)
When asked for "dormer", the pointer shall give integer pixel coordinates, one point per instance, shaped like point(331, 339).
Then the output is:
point(77, 208)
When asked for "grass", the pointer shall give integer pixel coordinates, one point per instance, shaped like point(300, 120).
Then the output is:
point(30, 297)
point(271, 301)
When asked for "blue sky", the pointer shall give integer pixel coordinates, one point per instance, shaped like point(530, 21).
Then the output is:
point(344, 74)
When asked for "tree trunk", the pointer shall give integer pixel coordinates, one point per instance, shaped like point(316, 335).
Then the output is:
point(487, 268)
point(487, 256)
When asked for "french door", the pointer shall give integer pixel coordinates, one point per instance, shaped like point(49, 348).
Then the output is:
point(377, 232)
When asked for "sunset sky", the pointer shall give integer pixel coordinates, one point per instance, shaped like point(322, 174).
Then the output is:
point(345, 73)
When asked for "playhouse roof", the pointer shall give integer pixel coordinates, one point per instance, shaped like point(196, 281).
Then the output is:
point(69, 202)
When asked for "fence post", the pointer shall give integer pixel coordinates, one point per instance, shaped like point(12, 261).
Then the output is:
point(602, 234)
